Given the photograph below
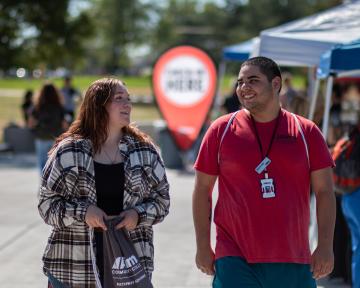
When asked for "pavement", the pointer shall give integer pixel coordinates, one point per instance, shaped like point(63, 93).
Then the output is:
point(23, 235)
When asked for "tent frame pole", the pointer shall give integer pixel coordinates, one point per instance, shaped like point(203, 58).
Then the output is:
point(314, 96)
point(329, 86)
point(217, 101)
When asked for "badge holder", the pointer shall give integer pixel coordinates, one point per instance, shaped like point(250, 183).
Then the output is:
point(267, 187)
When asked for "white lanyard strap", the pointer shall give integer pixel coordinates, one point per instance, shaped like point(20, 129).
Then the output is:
point(224, 133)
point(297, 124)
point(302, 136)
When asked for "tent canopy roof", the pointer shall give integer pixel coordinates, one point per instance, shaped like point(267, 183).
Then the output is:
point(302, 42)
point(341, 58)
point(240, 51)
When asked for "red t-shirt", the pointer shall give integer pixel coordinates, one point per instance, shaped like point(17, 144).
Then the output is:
point(247, 225)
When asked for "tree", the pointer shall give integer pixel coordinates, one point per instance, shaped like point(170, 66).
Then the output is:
point(187, 23)
point(58, 40)
point(119, 24)
point(8, 34)
point(246, 19)
point(44, 32)
point(234, 21)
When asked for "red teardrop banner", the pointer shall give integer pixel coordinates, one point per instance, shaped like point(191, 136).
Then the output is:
point(184, 85)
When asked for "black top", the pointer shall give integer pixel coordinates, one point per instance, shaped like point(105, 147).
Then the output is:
point(49, 122)
point(109, 184)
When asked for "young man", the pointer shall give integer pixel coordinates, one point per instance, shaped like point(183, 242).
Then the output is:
point(265, 162)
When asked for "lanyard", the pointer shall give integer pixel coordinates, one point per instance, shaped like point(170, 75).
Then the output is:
point(272, 137)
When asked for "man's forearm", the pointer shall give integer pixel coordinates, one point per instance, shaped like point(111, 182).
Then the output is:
point(326, 213)
point(202, 218)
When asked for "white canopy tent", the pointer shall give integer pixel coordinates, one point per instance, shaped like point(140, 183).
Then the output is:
point(302, 42)
point(340, 61)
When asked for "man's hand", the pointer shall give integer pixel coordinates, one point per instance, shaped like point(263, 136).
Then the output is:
point(205, 260)
point(131, 218)
point(94, 217)
point(322, 262)
point(201, 207)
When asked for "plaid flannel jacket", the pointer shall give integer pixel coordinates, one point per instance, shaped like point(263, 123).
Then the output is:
point(68, 188)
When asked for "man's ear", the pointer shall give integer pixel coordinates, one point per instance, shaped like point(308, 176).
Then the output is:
point(276, 83)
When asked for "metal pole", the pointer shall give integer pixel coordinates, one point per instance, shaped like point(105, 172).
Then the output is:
point(315, 93)
point(329, 86)
point(217, 101)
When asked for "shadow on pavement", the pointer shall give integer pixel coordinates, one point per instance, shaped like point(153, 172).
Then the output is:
point(332, 283)
point(23, 161)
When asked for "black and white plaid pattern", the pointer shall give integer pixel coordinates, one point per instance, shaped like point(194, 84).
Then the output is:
point(68, 188)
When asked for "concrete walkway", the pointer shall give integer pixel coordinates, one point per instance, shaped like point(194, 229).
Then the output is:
point(23, 234)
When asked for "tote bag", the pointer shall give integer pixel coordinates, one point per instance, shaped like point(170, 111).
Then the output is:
point(122, 267)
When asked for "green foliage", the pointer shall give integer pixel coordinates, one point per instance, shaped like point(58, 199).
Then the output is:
point(43, 33)
point(10, 112)
point(8, 35)
point(118, 24)
point(80, 82)
point(212, 27)
point(182, 22)
point(100, 38)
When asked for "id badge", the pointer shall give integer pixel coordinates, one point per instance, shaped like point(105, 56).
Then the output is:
point(262, 166)
point(267, 188)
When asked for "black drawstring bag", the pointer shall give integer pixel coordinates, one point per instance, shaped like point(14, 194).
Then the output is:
point(122, 267)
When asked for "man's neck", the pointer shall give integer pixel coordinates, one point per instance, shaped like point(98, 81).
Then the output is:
point(265, 116)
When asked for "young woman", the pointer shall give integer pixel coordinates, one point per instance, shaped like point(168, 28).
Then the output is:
point(47, 121)
point(102, 166)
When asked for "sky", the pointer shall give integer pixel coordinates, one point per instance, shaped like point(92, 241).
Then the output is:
point(77, 5)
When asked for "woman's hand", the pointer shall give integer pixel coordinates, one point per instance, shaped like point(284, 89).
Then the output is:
point(94, 217)
point(131, 218)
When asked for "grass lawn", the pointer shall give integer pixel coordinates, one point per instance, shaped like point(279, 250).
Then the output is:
point(81, 82)
point(135, 84)
point(13, 89)
point(10, 112)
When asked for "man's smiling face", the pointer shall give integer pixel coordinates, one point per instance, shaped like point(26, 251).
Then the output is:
point(254, 90)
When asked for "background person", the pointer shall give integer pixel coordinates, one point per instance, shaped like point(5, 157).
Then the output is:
point(262, 212)
point(231, 102)
point(27, 106)
point(70, 95)
point(335, 125)
point(47, 121)
point(102, 166)
point(287, 94)
point(347, 180)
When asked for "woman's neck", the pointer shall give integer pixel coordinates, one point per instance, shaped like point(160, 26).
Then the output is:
point(109, 151)
point(113, 138)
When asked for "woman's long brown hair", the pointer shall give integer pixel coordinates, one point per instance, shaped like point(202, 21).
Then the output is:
point(92, 121)
point(48, 96)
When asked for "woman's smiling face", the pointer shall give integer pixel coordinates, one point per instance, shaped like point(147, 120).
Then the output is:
point(119, 108)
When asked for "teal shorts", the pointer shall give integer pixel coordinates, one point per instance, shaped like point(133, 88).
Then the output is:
point(234, 272)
